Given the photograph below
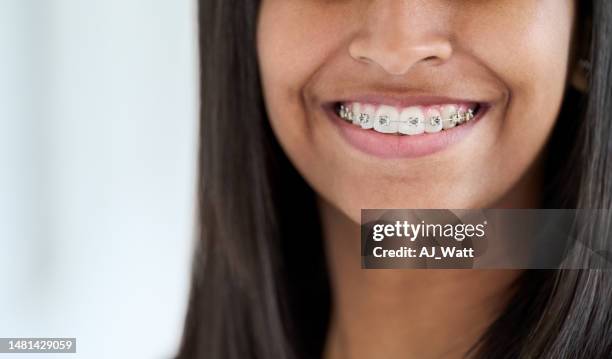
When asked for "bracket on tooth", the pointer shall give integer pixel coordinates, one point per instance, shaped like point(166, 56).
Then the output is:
point(456, 118)
point(469, 115)
point(413, 121)
point(345, 113)
point(383, 120)
point(364, 118)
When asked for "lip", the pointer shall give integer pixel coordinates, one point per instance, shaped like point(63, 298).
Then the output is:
point(390, 146)
point(399, 101)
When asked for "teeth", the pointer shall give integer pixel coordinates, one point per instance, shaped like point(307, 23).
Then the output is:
point(467, 114)
point(356, 111)
point(366, 117)
point(413, 120)
point(386, 120)
point(433, 121)
point(342, 112)
point(450, 116)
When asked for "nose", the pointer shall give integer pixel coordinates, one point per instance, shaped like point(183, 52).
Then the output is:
point(398, 34)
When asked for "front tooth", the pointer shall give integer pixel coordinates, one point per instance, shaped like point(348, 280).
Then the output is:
point(433, 121)
point(412, 121)
point(449, 116)
point(356, 110)
point(386, 119)
point(366, 117)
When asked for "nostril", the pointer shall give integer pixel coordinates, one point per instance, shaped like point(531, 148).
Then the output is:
point(364, 59)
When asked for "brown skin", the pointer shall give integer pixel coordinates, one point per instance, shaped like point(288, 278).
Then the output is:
point(511, 54)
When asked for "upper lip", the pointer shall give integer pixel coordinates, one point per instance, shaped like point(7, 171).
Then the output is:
point(399, 100)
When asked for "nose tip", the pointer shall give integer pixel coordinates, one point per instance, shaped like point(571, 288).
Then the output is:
point(396, 36)
point(398, 56)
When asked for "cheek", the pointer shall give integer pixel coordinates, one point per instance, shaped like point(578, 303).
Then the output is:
point(525, 43)
point(294, 39)
point(528, 51)
point(288, 52)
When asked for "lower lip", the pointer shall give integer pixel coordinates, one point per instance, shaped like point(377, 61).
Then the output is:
point(402, 146)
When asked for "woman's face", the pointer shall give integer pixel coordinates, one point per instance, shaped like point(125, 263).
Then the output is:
point(405, 72)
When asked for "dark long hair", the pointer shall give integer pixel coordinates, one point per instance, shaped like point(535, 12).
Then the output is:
point(254, 295)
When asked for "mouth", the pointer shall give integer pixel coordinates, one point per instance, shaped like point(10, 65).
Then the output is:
point(405, 130)
point(410, 121)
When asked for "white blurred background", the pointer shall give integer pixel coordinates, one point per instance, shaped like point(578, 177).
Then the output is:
point(98, 131)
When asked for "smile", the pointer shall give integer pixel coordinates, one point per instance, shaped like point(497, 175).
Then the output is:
point(413, 120)
point(394, 127)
